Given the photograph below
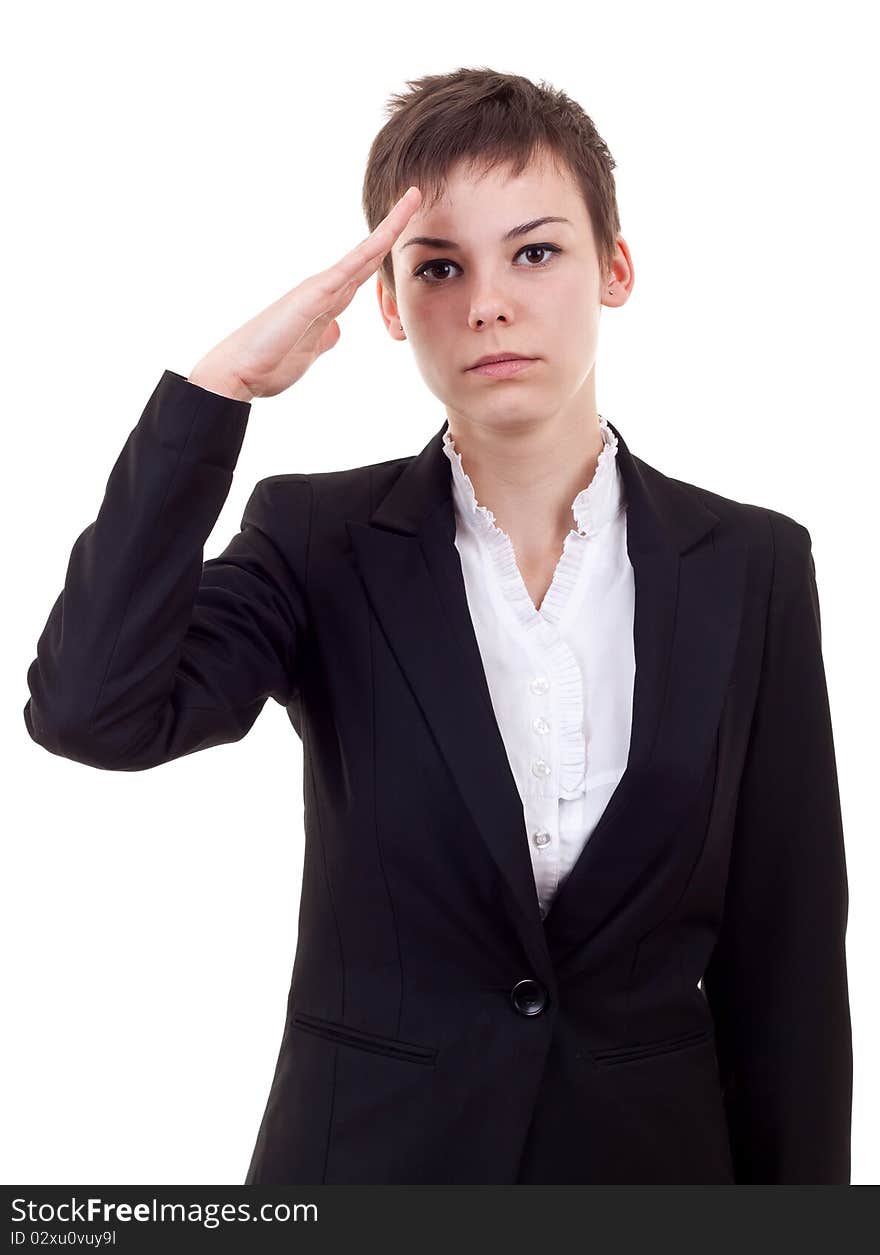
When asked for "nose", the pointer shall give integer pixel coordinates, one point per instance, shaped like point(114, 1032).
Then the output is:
point(479, 317)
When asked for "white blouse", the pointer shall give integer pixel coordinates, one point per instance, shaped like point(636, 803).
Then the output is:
point(560, 678)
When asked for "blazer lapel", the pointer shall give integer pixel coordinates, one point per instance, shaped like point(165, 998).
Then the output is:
point(687, 605)
point(408, 562)
point(689, 587)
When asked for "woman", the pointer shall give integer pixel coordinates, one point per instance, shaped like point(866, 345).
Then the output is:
point(574, 895)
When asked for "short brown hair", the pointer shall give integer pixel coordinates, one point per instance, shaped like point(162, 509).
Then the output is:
point(487, 119)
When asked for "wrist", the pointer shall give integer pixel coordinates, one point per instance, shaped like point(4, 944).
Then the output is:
point(232, 389)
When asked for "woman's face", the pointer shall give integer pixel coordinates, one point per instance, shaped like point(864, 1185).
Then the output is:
point(473, 291)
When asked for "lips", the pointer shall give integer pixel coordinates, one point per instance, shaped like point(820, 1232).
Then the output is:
point(499, 357)
point(506, 369)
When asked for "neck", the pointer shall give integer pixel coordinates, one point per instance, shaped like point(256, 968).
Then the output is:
point(528, 476)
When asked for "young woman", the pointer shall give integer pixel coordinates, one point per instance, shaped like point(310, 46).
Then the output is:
point(574, 896)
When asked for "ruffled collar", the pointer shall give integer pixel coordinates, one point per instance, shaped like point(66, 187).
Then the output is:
point(592, 508)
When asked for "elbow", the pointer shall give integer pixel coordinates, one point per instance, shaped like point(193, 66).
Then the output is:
point(67, 736)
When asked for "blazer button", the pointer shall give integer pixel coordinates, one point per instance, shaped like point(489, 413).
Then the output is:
point(529, 997)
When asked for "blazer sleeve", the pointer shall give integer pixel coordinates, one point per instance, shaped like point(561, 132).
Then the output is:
point(776, 981)
point(149, 653)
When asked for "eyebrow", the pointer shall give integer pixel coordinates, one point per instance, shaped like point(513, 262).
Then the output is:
point(433, 241)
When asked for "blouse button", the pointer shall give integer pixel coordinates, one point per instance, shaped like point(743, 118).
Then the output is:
point(541, 725)
point(541, 837)
point(539, 684)
point(541, 768)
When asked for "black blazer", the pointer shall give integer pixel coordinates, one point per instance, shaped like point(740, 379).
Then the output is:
point(681, 1015)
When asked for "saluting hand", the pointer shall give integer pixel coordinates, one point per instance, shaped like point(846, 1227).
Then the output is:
point(276, 347)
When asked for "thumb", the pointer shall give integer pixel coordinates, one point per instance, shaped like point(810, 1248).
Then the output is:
point(329, 338)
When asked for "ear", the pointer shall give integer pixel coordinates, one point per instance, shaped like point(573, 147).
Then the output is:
point(389, 310)
point(621, 278)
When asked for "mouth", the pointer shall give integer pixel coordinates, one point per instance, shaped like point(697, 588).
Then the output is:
point(489, 359)
point(502, 368)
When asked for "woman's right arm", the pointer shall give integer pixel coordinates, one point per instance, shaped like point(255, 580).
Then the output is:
point(149, 653)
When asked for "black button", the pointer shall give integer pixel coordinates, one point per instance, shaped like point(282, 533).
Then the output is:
point(529, 997)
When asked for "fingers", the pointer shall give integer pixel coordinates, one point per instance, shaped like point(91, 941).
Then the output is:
point(325, 295)
point(379, 241)
point(358, 264)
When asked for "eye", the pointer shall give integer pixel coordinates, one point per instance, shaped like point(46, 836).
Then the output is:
point(427, 266)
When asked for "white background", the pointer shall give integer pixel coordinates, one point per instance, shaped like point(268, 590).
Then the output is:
point(171, 170)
